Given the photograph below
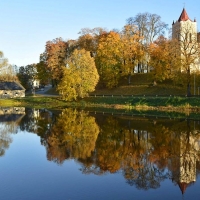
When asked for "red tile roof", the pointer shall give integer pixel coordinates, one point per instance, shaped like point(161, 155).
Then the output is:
point(184, 16)
point(183, 187)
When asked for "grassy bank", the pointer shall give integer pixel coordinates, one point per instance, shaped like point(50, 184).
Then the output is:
point(180, 104)
point(36, 102)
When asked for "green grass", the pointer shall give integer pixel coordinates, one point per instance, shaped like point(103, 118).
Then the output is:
point(142, 90)
point(162, 103)
point(183, 105)
point(142, 84)
point(34, 101)
point(144, 96)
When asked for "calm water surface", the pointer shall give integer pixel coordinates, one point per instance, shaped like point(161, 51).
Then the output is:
point(76, 155)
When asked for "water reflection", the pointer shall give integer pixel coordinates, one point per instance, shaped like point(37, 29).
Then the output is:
point(9, 122)
point(146, 151)
point(73, 135)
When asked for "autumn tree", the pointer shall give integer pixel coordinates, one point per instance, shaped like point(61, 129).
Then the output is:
point(108, 59)
point(55, 57)
point(150, 27)
point(87, 42)
point(131, 48)
point(163, 59)
point(80, 76)
point(71, 46)
point(89, 39)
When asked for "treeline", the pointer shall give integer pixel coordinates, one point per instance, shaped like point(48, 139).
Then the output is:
point(76, 66)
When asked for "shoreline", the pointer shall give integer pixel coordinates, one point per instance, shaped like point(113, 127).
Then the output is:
point(178, 104)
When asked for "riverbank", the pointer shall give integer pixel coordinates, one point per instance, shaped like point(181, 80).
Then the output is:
point(179, 104)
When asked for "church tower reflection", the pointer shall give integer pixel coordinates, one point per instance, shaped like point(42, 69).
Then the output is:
point(188, 157)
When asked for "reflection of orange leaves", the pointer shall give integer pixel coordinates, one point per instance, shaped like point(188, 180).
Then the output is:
point(161, 139)
point(119, 149)
point(108, 163)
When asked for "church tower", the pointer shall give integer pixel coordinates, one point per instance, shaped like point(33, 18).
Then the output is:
point(185, 31)
point(184, 28)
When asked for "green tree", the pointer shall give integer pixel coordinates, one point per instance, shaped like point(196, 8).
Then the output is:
point(80, 76)
point(42, 73)
point(27, 75)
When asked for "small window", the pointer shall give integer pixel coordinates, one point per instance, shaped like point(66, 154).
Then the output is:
point(186, 37)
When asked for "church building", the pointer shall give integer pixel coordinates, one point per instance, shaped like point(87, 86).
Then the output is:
point(185, 31)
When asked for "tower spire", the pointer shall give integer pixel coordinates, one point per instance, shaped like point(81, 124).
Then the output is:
point(184, 16)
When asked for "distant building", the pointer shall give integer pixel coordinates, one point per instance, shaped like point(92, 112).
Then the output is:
point(11, 90)
point(34, 83)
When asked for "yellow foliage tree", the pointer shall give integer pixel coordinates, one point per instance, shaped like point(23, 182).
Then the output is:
point(108, 59)
point(80, 76)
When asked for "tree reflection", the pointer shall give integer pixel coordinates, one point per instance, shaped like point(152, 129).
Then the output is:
point(146, 151)
point(5, 138)
point(127, 149)
point(9, 122)
point(38, 121)
point(73, 135)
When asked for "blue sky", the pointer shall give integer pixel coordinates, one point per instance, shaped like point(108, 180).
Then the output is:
point(26, 25)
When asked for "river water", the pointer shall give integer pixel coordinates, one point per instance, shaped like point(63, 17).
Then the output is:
point(78, 155)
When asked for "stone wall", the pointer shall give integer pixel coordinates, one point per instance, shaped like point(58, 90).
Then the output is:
point(12, 110)
point(12, 93)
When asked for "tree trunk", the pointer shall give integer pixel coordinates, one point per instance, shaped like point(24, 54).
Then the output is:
point(188, 83)
point(188, 90)
point(129, 78)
